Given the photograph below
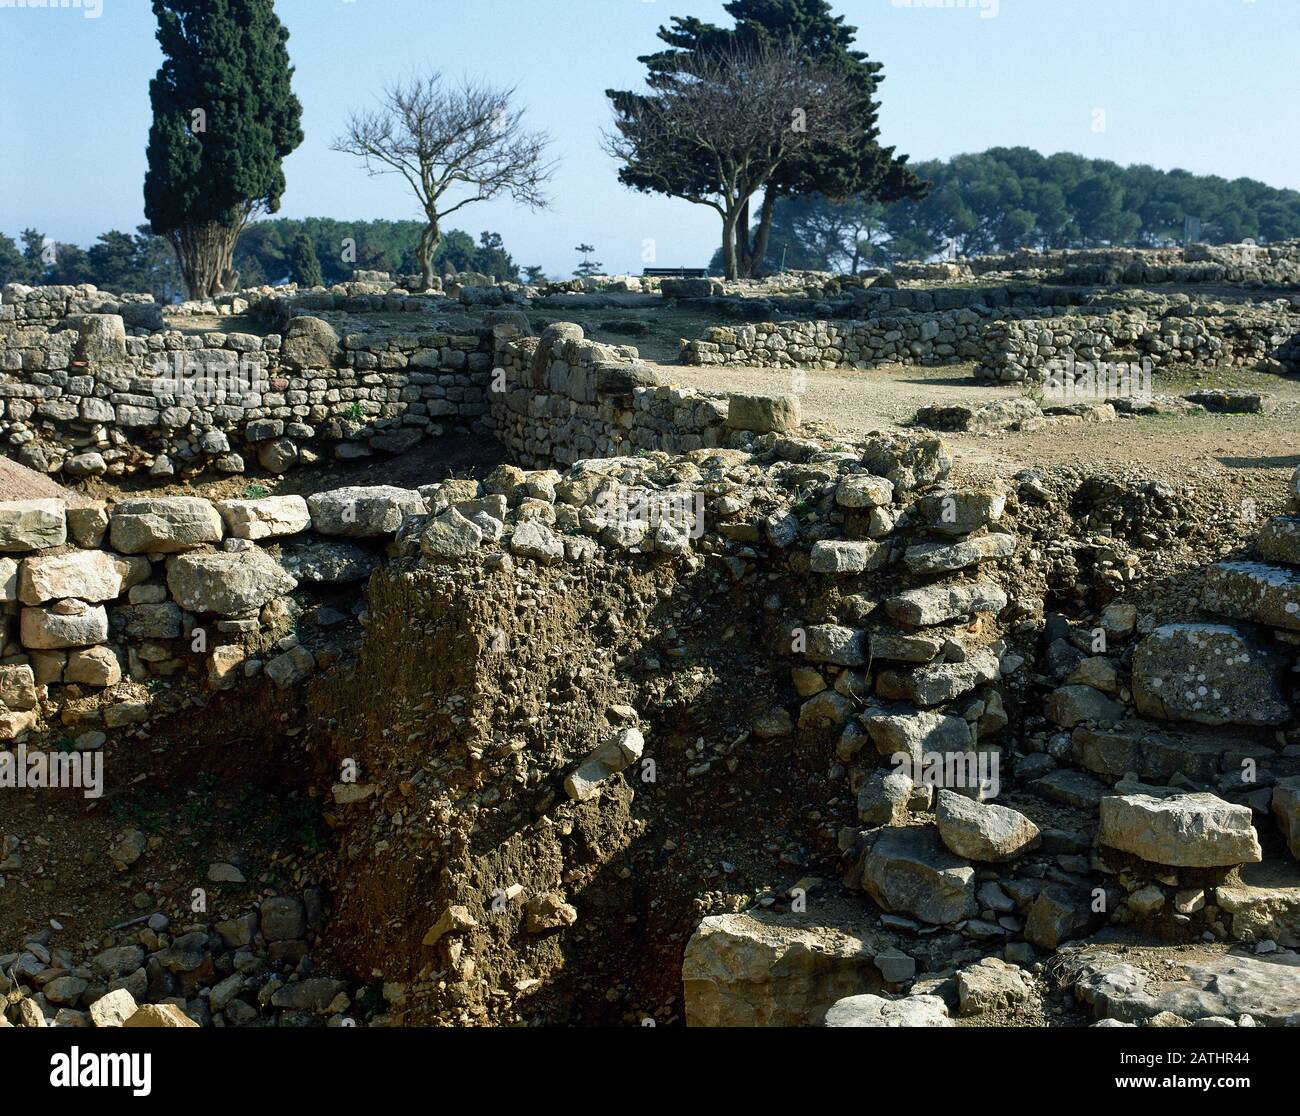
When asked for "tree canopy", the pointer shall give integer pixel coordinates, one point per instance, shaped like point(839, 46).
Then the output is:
point(836, 164)
point(267, 252)
point(1009, 198)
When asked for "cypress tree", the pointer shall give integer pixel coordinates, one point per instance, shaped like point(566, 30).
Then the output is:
point(224, 118)
point(304, 264)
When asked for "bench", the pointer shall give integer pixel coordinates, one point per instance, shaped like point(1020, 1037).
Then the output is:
point(675, 273)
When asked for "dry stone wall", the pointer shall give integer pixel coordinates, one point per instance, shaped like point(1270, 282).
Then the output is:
point(1017, 345)
point(561, 398)
point(86, 395)
point(1267, 339)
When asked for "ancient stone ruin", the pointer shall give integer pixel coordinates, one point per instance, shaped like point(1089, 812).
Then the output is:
point(382, 658)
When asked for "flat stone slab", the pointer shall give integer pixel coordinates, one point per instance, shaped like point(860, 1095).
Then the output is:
point(1254, 591)
point(164, 525)
point(1279, 540)
point(937, 604)
point(1212, 674)
point(935, 557)
point(939, 682)
point(876, 1011)
point(1153, 755)
point(1224, 986)
point(1233, 401)
point(1182, 831)
point(769, 969)
point(1070, 788)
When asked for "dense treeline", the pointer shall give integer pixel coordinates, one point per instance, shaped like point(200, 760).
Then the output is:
point(311, 251)
point(1009, 198)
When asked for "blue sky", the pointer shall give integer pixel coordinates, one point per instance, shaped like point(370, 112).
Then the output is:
point(1212, 86)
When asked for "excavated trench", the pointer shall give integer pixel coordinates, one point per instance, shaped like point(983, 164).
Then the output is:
point(463, 885)
point(466, 708)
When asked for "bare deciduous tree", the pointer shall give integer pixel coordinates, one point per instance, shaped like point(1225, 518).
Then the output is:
point(726, 122)
point(444, 140)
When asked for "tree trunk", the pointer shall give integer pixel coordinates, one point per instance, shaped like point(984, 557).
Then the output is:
point(765, 214)
point(729, 245)
point(206, 254)
point(743, 265)
point(430, 238)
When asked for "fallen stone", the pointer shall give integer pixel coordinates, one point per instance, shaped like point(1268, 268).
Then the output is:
point(875, 1011)
point(1057, 914)
point(906, 870)
point(159, 1015)
point(113, 1009)
point(1073, 705)
point(609, 758)
point(1182, 831)
point(548, 911)
point(763, 968)
point(984, 832)
point(991, 985)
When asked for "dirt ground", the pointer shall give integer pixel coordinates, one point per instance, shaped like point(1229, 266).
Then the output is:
point(1175, 447)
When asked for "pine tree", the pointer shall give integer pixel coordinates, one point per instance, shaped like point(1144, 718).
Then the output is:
point(588, 267)
point(860, 168)
point(224, 118)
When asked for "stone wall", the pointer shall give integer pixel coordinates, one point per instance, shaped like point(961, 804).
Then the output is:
point(1020, 349)
point(1017, 345)
point(84, 395)
point(900, 337)
point(1274, 264)
point(99, 603)
point(562, 398)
